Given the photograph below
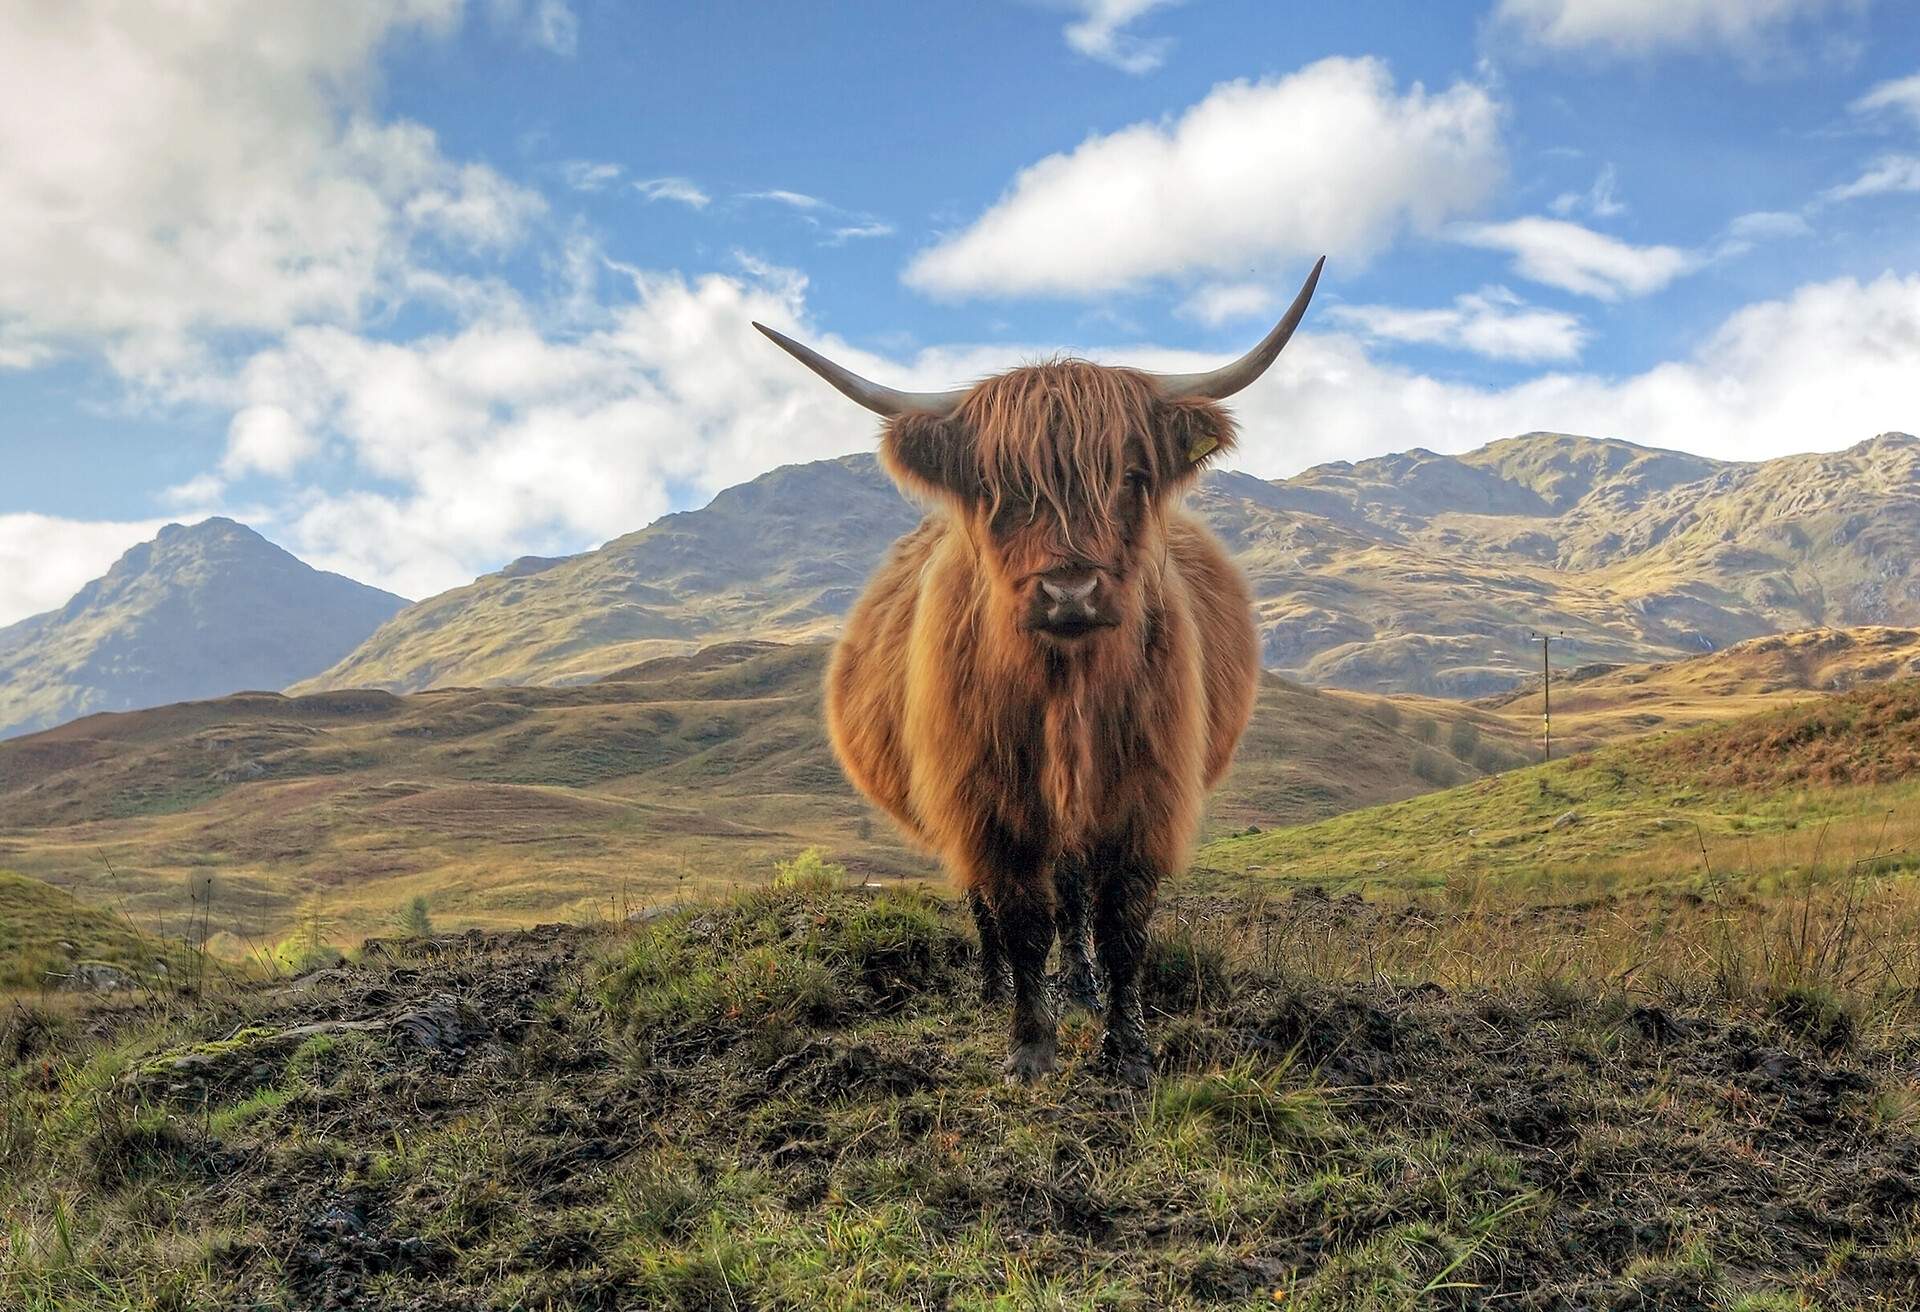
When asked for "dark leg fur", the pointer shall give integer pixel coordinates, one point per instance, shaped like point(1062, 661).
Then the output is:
point(996, 979)
point(1079, 982)
point(1025, 916)
point(1123, 909)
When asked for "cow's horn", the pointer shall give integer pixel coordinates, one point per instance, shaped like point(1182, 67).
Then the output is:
point(881, 400)
point(1223, 382)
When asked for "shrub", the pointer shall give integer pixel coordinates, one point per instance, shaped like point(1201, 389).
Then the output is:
point(1432, 767)
point(810, 872)
point(1463, 739)
point(414, 921)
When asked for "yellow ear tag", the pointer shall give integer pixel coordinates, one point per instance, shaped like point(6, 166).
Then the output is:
point(1200, 447)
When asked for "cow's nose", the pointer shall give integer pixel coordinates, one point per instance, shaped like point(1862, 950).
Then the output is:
point(1072, 586)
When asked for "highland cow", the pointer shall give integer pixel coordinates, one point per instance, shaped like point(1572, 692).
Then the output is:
point(1045, 678)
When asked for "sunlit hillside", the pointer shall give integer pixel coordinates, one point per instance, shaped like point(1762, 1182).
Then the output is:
point(507, 806)
point(1830, 783)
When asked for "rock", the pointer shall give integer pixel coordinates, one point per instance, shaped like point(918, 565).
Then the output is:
point(97, 977)
point(1564, 819)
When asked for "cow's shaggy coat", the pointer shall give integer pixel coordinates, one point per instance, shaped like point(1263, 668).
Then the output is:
point(1056, 765)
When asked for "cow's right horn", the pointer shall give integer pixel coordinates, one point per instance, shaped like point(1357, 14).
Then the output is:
point(881, 400)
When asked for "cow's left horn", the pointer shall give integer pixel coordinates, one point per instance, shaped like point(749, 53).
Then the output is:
point(1223, 382)
point(881, 400)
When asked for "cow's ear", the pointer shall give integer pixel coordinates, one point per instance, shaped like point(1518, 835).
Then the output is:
point(930, 453)
point(1193, 432)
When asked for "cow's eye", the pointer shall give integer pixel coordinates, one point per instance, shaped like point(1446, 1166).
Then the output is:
point(1137, 480)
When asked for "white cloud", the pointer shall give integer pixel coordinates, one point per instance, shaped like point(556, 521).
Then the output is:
point(590, 175)
point(1888, 174)
point(1598, 200)
point(799, 200)
point(266, 439)
point(202, 492)
point(1901, 94)
point(548, 24)
point(1824, 368)
point(1216, 303)
point(1100, 34)
point(187, 170)
point(500, 439)
point(44, 559)
point(1578, 259)
point(1330, 159)
point(684, 190)
point(860, 232)
point(1492, 322)
point(836, 226)
point(1639, 27)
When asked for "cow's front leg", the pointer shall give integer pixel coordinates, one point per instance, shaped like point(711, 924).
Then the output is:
point(1079, 977)
point(996, 980)
point(1123, 909)
point(1020, 895)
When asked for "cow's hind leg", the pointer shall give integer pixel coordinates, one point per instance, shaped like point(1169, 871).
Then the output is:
point(1123, 908)
point(996, 980)
point(1079, 983)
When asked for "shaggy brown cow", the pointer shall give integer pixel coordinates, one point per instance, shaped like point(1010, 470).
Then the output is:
point(1045, 678)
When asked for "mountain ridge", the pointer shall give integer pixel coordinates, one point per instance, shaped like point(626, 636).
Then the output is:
point(1409, 572)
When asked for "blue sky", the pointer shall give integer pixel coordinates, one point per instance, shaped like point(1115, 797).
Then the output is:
point(418, 287)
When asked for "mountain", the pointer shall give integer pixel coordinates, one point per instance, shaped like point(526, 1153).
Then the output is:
point(196, 612)
point(509, 805)
point(1414, 572)
point(782, 557)
point(1429, 573)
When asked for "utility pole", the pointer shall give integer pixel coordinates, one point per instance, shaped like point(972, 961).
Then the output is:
point(1546, 692)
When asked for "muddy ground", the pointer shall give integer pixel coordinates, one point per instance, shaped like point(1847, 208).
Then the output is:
point(795, 1102)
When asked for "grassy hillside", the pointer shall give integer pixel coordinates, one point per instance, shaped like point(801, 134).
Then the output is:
point(1832, 782)
point(48, 938)
point(793, 1101)
point(507, 806)
point(1415, 572)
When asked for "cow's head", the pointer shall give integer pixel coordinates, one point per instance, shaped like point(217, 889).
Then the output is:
point(1061, 472)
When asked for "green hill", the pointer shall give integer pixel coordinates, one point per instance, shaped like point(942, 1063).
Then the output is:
point(49, 938)
point(1827, 784)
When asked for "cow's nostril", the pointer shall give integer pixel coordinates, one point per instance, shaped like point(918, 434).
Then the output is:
point(1071, 592)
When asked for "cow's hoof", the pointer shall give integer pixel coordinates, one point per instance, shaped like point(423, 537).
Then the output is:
point(1129, 1066)
point(1030, 1061)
